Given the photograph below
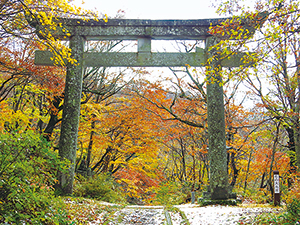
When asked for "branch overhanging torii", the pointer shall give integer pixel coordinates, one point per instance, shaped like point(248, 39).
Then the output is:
point(78, 31)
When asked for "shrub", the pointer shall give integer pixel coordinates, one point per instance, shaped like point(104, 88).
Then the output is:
point(293, 211)
point(170, 193)
point(291, 216)
point(27, 174)
point(101, 187)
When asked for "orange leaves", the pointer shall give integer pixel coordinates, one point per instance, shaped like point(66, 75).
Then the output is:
point(17, 67)
point(123, 125)
point(227, 30)
point(262, 160)
point(136, 183)
point(239, 27)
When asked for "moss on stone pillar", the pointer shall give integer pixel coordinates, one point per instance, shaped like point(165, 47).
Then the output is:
point(70, 117)
point(216, 125)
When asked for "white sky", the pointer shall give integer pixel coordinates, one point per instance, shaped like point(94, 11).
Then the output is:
point(154, 9)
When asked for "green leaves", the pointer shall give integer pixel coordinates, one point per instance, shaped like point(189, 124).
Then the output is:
point(28, 168)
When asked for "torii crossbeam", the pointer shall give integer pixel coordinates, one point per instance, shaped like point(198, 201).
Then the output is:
point(143, 31)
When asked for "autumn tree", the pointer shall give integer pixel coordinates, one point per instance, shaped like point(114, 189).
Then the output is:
point(273, 80)
point(16, 20)
point(125, 138)
point(185, 145)
point(281, 100)
point(28, 163)
point(277, 53)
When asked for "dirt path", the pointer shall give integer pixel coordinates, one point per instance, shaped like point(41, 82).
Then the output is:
point(183, 214)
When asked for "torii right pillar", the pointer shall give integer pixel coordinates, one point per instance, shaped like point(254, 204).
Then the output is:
point(218, 174)
point(218, 177)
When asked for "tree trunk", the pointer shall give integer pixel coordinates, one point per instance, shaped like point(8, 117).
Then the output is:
point(235, 170)
point(53, 118)
point(90, 147)
point(248, 168)
point(297, 143)
point(291, 146)
point(297, 112)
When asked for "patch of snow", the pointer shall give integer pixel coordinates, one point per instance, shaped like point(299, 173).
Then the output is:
point(216, 214)
point(196, 215)
point(131, 216)
point(176, 218)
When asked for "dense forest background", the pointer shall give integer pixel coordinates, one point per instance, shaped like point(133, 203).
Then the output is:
point(143, 140)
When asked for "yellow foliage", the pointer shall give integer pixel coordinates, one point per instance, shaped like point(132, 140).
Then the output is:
point(293, 192)
point(131, 188)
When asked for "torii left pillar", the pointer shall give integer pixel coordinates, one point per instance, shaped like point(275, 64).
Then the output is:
point(71, 113)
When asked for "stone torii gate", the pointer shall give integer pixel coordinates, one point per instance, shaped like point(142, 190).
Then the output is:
point(143, 31)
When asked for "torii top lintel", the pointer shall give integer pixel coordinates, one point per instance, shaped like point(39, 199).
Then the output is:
point(132, 29)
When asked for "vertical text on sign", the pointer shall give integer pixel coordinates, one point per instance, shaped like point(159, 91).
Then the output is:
point(276, 188)
point(276, 184)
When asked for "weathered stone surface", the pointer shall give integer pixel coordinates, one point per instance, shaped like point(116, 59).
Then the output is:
point(131, 29)
point(144, 45)
point(70, 117)
point(130, 59)
point(142, 59)
point(218, 177)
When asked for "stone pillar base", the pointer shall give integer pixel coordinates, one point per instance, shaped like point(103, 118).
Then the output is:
point(207, 199)
point(205, 202)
